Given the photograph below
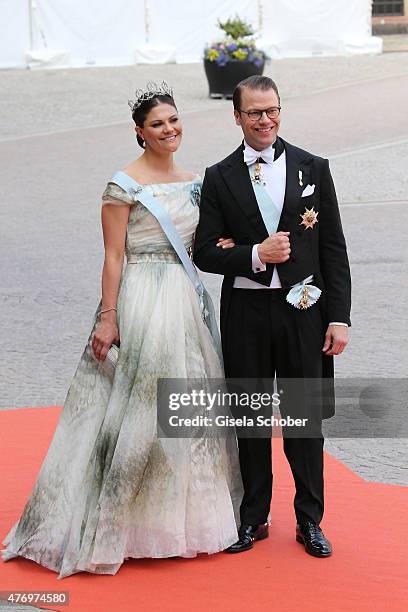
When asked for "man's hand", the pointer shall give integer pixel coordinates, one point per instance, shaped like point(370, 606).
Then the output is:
point(226, 243)
point(275, 249)
point(336, 339)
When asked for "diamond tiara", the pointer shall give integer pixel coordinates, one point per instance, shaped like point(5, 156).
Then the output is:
point(152, 91)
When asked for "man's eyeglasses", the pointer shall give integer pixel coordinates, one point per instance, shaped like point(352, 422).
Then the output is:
point(255, 115)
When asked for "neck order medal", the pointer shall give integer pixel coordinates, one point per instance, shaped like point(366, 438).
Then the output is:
point(257, 175)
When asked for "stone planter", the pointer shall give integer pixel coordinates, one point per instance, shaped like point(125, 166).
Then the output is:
point(222, 80)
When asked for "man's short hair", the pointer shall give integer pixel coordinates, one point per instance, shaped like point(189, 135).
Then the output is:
point(253, 82)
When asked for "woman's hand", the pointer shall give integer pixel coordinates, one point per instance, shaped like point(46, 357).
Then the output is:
point(105, 335)
point(226, 243)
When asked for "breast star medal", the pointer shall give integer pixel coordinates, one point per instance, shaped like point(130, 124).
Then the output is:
point(309, 218)
point(257, 176)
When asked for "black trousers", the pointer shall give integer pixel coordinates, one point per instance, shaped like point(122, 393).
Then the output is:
point(266, 336)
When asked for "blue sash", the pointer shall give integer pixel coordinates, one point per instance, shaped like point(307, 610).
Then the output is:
point(269, 212)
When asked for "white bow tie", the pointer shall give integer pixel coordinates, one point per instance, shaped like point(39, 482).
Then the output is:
point(250, 155)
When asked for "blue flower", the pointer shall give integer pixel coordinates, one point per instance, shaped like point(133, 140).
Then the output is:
point(241, 50)
point(222, 59)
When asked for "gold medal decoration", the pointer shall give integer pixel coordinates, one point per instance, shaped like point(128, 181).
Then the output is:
point(304, 301)
point(309, 218)
point(257, 177)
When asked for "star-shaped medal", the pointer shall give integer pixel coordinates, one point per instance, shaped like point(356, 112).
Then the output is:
point(309, 218)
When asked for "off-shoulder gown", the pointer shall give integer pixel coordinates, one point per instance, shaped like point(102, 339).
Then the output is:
point(109, 488)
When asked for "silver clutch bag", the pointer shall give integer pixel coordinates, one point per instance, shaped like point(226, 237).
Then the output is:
point(108, 366)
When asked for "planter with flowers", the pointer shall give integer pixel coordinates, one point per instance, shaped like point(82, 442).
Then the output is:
point(232, 59)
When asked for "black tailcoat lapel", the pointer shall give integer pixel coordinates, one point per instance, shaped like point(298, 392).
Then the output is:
point(296, 160)
point(235, 174)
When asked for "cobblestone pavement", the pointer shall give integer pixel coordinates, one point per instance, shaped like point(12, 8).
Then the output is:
point(34, 102)
point(352, 110)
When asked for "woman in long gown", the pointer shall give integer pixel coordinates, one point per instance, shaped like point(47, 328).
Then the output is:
point(109, 488)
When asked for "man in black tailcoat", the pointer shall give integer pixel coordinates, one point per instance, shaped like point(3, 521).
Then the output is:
point(285, 301)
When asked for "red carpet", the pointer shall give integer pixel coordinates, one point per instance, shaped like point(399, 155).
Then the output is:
point(366, 522)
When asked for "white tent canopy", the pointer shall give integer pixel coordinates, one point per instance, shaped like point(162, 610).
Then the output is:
point(116, 32)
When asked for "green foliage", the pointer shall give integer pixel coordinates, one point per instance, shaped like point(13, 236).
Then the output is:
point(236, 28)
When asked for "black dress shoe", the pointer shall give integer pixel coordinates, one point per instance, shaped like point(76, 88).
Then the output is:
point(248, 534)
point(313, 539)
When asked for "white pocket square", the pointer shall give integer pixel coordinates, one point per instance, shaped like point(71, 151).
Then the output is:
point(308, 190)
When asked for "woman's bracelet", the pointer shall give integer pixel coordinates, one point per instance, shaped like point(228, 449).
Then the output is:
point(108, 310)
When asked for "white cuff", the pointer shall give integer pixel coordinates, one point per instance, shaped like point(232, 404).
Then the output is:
point(257, 265)
point(337, 323)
